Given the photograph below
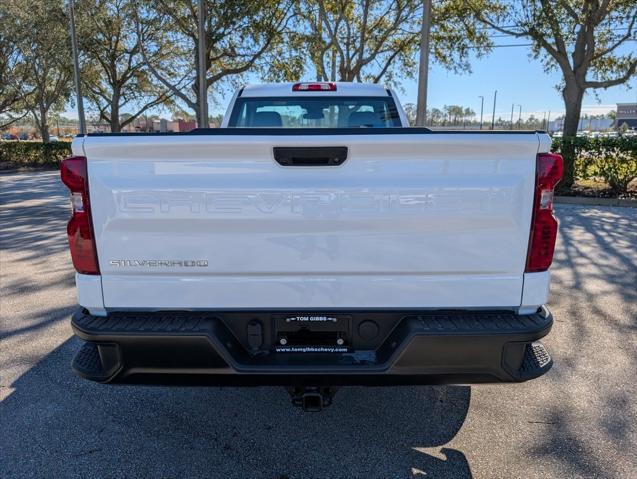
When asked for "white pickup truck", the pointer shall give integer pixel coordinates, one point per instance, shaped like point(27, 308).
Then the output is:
point(313, 241)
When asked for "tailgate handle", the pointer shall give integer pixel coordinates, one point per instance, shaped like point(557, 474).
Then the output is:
point(310, 155)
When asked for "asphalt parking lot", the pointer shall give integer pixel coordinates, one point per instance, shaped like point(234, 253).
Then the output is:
point(580, 420)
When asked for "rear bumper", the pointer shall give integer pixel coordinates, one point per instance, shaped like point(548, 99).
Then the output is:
point(207, 348)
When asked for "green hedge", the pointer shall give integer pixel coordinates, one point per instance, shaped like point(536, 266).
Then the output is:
point(16, 154)
point(624, 143)
point(613, 160)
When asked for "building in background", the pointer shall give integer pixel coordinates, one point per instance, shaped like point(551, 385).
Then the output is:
point(626, 114)
point(586, 123)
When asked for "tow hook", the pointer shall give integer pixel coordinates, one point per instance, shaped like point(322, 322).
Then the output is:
point(312, 398)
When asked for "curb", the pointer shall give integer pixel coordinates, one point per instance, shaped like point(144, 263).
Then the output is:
point(583, 200)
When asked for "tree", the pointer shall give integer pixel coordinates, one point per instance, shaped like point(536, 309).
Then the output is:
point(13, 72)
point(240, 36)
point(532, 123)
point(215, 121)
point(374, 40)
point(114, 75)
point(582, 39)
point(39, 30)
point(410, 112)
point(177, 112)
point(467, 113)
point(454, 113)
point(435, 116)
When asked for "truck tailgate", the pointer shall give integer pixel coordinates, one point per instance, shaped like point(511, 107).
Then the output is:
point(407, 221)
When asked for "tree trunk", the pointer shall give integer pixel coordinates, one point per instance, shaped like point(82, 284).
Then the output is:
point(573, 95)
point(333, 75)
point(195, 84)
point(115, 113)
point(43, 125)
point(195, 108)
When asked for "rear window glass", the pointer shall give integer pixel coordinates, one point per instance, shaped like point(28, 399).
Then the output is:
point(317, 112)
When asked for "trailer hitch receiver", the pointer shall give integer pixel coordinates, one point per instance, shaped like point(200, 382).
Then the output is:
point(312, 399)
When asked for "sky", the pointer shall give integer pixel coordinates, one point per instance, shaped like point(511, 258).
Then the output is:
point(518, 78)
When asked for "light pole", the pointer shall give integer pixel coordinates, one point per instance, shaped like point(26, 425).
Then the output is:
point(512, 106)
point(76, 71)
point(421, 104)
point(495, 96)
point(548, 122)
point(202, 120)
point(520, 117)
point(481, 109)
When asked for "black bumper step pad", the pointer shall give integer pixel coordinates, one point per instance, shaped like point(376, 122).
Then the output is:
point(536, 362)
point(87, 360)
point(478, 322)
point(443, 322)
point(122, 323)
point(98, 362)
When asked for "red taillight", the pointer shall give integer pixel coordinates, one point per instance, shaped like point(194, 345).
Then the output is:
point(321, 86)
point(80, 229)
point(549, 169)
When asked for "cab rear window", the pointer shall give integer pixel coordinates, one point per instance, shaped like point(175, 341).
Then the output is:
point(317, 112)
